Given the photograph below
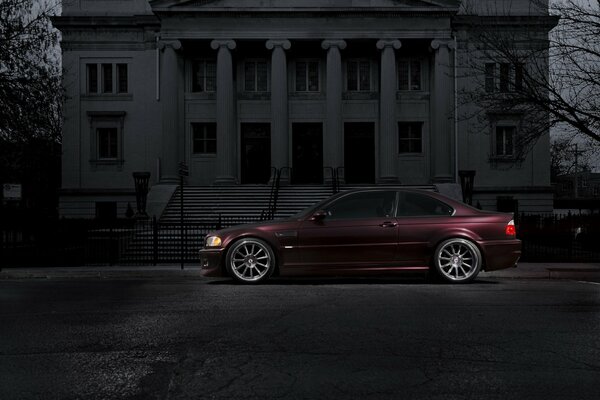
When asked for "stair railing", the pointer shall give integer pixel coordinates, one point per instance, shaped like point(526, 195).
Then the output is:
point(275, 176)
point(335, 183)
point(339, 171)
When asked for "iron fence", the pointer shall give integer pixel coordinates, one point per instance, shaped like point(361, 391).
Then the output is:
point(42, 242)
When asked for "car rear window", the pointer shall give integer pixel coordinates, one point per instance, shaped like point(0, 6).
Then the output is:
point(419, 205)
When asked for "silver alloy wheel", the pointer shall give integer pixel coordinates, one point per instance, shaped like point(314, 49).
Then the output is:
point(250, 260)
point(458, 260)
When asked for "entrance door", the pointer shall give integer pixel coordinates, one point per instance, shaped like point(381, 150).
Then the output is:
point(359, 152)
point(256, 153)
point(307, 153)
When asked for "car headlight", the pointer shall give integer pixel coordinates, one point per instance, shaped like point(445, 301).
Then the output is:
point(213, 241)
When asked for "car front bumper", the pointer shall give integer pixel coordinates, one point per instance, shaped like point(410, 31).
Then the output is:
point(211, 261)
point(501, 254)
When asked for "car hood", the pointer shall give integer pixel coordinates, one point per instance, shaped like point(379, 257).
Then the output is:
point(257, 225)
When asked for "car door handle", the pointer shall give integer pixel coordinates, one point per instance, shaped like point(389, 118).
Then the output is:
point(388, 224)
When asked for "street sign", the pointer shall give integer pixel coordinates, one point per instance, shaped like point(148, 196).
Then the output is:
point(184, 169)
point(12, 191)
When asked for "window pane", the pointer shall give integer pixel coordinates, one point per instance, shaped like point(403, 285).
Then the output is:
point(249, 76)
point(416, 204)
point(261, 76)
point(415, 75)
point(122, 78)
point(490, 72)
point(352, 76)
point(197, 76)
point(107, 78)
point(403, 75)
point(363, 205)
point(107, 143)
point(504, 77)
point(211, 76)
point(300, 76)
point(313, 76)
point(365, 75)
point(204, 138)
point(410, 138)
point(509, 136)
point(92, 73)
point(518, 76)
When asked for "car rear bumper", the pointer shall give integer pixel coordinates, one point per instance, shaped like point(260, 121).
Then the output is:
point(501, 254)
point(211, 262)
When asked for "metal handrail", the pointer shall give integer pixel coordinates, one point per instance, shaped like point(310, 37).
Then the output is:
point(337, 177)
point(265, 212)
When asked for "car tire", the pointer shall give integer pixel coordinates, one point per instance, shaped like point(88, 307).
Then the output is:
point(250, 261)
point(457, 260)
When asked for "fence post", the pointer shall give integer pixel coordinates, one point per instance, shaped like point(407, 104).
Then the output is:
point(154, 241)
point(110, 246)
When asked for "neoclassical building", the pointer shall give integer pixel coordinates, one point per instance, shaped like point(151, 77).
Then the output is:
point(235, 87)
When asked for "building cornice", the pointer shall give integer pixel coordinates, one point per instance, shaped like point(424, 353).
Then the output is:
point(104, 21)
point(469, 21)
point(309, 13)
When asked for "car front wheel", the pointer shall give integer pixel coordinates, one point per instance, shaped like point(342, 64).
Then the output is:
point(457, 260)
point(250, 261)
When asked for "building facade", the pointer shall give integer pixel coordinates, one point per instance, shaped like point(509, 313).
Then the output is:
point(236, 87)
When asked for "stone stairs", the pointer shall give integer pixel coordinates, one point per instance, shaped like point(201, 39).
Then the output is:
point(207, 206)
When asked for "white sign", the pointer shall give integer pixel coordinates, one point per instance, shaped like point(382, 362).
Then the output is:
point(12, 191)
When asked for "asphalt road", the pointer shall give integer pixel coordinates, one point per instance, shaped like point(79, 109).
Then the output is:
point(299, 339)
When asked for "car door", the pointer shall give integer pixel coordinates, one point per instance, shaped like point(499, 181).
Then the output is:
point(358, 230)
point(419, 217)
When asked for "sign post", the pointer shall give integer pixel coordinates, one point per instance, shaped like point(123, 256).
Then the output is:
point(183, 172)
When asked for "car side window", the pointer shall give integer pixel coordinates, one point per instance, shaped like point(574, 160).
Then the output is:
point(363, 205)
point(420, 205)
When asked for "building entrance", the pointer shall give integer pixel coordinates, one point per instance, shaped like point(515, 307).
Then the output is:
point(307, 153)
point(359, 152)
point(256, 153)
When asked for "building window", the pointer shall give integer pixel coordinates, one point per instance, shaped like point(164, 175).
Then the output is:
point(256, 76)
point(107, 143)
point(101, 78)
point(490, 73)
point(519, 77)
point(504, 77)
point(509, 79)
point(107, 81)
point(505, 137)
point(307, 76)
point(92, 75)
point(204, 138)
point(359, 75)
point(409, 74)
point(122, 78)
point(410, 137)
point(204, 76)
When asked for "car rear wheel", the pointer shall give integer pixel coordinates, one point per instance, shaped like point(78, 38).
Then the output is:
point(250, 261)
point(457, 260)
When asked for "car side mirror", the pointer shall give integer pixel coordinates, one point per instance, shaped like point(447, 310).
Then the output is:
point(319, 215)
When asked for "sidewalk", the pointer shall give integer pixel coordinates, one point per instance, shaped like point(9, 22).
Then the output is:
point(523, 271)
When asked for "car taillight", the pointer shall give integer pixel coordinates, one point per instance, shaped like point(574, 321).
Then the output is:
point(510, 229)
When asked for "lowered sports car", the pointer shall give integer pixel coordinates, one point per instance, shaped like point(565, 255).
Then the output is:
point(365, 232)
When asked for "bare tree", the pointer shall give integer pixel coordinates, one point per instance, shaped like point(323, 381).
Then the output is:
point(545, 80)
point(29, 71)
point(30, 97)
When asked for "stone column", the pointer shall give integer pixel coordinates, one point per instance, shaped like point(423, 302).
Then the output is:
point(280, 142)
point(169, 89)
point(442, 99)
point(226, 115)
point(334, 131)
point(388, 131)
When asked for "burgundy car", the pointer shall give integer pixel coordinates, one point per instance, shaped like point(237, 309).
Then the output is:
point(365, 232)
